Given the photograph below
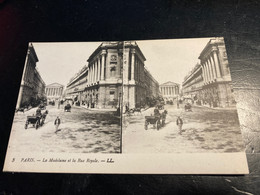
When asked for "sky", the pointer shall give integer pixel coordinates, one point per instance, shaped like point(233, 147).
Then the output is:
point(167, 60)
point(172, 59)
point(59, 62)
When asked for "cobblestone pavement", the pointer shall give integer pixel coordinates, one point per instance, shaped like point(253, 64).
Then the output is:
point(204, 130)
point(81, 131)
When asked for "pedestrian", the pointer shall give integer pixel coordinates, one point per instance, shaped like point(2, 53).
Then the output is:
point(57, 123)
point(58, 104)
point(179, 123)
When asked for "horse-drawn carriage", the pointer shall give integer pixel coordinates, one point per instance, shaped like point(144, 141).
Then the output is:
point(153, 120)
point(187, 107)
point(157, 120)
point(36, 120)
point(67, 108)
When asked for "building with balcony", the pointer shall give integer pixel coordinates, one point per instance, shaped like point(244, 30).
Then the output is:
point(193, 83)
point(209, 83)
point(32, 88)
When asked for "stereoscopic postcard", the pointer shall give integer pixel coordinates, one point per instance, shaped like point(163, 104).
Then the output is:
point(142, 107)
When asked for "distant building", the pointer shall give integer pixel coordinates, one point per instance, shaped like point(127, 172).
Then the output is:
point(32, 88)
point(54, 91)
point(169, 91)
point(209, 83)
point(99, 84)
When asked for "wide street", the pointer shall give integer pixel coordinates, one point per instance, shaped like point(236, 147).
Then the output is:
point(81, 131)
point(204, 130)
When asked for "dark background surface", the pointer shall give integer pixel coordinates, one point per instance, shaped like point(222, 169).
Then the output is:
point(77, 20)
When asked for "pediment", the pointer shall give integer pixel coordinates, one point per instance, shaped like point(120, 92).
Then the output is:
point(55, 85)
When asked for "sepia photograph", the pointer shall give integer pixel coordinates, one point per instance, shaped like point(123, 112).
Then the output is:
point(179, 98)
point(115, 106)
point(68, 100)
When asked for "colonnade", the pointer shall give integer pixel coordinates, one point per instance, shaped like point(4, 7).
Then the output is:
point(133, 66)
point(211, 67)
point(54, 91)
point(96, 70)
point(169, 90)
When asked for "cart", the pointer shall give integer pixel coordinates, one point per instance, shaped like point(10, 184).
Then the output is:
point(153, 120)
point(35, 121)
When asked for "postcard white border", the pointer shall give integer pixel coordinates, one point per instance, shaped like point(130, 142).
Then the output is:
point(177, 163)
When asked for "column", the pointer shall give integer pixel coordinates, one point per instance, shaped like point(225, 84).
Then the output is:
point(98, 78)
point(203, 73)
point(93, 72)
point(213, 67)
point(96, 70)
point(217, 64)
point(210, 71)
point(132, 64)
point(103, 65)
point(207, 72)
point(89, 75)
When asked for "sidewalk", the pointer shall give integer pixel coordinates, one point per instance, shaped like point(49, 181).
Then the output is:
point(215, 108)
point(97, 109)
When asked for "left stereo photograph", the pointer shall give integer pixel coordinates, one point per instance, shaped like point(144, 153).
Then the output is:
point(68, 102)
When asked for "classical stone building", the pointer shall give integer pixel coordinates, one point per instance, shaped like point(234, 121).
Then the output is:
point(211, 80)
point(113, 69)
point(169, 91)
point(54, 91)
point(193, 83)
point(151, 85)
point(32, 88)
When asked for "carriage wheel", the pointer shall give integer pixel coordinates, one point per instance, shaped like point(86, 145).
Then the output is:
point(37, 125)
point(158, 124)
point(146, 125)
point(163, 123)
